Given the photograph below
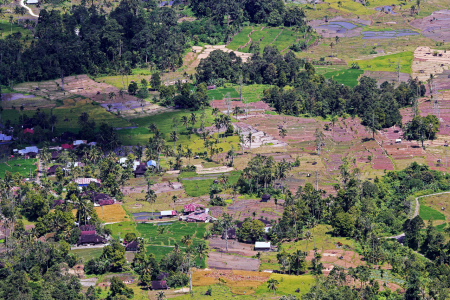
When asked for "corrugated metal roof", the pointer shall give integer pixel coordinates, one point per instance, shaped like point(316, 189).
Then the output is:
point(262, 245)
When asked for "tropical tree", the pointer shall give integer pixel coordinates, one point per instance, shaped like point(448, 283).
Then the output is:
point(272, 284)
point(249, 139)
point(160, 295)
point(187, 242)
point(185, 121)
point(174, 137)
point(150, 196)
point(193, 119)
point(283, 133)
point(215, 111)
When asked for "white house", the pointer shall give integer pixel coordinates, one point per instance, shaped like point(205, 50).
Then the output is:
point(32, 1)
point(79, 142)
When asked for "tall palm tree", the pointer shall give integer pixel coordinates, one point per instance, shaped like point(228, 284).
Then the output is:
point(174, 137)
point(193, 119)
point(272, 284)
point(249, 139)
point(153, 128)
point(185, 121)
point(215, 111)
point(150, 196)
point(189, 154)
point(218, 125)
point(283, 133)
point(187, 241)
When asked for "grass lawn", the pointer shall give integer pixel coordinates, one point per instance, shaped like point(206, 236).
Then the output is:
point(123, 228)
point(196, 188)
point(254, 92)
point(6, 29)
point(347, 77)
point(68, 115)
point(427, 213)
point(136, 203)
point(87, 254)
point(220, 93)
point(288, 284)
point(389, 62)
point(26, 166)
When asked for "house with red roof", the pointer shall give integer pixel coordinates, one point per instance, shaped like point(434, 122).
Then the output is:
point(67, 146)
point(28, 130)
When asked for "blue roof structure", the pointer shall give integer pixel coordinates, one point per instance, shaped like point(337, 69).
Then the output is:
point(151, 163)
point(166, 3)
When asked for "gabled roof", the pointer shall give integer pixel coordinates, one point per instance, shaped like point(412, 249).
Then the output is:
point(90, 232)
point(262, 245)
point(55, 154)
point(151, 163)
point(159, 285)
point(53, 168)
point(91, 239)
point(86, 180)
point(140, 169)
point(28, 130)
point(132, 246)
point(66, 146)
point(87, 227)
point(192, 207)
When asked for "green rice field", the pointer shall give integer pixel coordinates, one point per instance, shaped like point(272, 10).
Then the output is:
point(26, 167)
point(347, 77)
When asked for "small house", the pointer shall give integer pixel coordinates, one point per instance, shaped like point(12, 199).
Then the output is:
point(106, 202)
point(132, 246)
point(211, 87)
point(152, 163)
point(262, 246)
point(398, 141)
point(5, 138)
point(51, 171)
point(159, 285)
point(79, 142)
point(168, 213)
point(32, 1)
point(91, 239)
point(86, 181)
point(55, 155)
point(140, 171)
point(67, 146)
point(28, 130)
point(265, 198)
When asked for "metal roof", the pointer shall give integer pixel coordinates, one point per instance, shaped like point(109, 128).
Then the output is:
point(262, 245)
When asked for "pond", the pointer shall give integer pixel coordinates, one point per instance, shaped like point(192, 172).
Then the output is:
point(159, 224)
point(338, 26)
point(389, 34)
point(15, 96)
point(387, 8)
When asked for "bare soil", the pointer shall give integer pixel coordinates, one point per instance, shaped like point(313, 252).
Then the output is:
point(224, 261)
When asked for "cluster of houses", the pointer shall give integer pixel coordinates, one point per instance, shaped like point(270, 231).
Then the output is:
point(196, 213)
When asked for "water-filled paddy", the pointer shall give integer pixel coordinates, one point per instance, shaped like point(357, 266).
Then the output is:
point(387, 34)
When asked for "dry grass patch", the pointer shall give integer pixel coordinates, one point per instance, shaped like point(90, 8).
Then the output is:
point(111, 213)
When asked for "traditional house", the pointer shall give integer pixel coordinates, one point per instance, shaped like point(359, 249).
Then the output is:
point(91, 239)
point(159, 285)
point(87, 227)
point(132, 246)
point(106, 202)
point(265, 198)
point(51, 171)
point(55, 155)
point(140, 171)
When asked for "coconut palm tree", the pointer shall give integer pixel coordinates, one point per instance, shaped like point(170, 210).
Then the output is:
point(272, 284)
point(189, 154)
point(283, 133)
point(160, 295)
point(215, 111)
point(150, 196)
point(249, 139)
point(193, 119)
point(174, 137)
point(187, 242)
point(153, 128)
point(185, 121)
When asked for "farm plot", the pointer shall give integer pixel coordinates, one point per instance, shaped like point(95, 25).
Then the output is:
point(172, 233)
point(240, 39)
point(24, 167)
point(347, 77)
point(435, 26)
point(389, 62)
point(221, 93)
point(436, 207)
point(224, 261)
point(111, 213)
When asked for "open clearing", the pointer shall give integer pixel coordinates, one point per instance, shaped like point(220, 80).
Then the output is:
point(111, 213)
